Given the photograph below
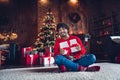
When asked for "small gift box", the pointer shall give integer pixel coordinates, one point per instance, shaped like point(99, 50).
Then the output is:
point(46, 60)
point(117, 58)
point(32, 59)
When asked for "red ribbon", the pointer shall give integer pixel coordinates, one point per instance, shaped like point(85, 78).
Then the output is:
point(49, 60)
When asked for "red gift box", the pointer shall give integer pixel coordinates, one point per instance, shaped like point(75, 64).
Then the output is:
point(25, 51)
point(48, 51)
point(117, 58)
point(32, 59)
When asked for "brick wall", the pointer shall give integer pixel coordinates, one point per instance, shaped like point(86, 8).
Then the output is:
point(61, 12)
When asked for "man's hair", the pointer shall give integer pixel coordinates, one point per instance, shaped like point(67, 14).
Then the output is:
point(62, 25)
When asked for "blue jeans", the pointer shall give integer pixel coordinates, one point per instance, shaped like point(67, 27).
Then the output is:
point(85, 61)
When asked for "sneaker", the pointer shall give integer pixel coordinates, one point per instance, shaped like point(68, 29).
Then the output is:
point(62, 68)
point(93, 68)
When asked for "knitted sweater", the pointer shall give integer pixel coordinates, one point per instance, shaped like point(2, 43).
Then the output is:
point(69, 46)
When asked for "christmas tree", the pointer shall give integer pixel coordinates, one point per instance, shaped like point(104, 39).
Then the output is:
point(46, 37)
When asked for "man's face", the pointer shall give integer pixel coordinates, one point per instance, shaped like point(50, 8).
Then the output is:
point(63, 32)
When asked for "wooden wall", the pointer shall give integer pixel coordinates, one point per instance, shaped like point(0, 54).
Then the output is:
point(22, 17)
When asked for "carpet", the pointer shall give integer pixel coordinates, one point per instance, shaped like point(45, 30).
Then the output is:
point(109, 71)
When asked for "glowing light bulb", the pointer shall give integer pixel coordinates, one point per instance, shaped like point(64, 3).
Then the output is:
point(73, 1)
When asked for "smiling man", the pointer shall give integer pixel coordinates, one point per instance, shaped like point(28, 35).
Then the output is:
point(70, 54)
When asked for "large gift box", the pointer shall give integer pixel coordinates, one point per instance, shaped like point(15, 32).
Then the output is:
point(44, 61)
point(32, 59)
point(25, 50)
point(71, 47)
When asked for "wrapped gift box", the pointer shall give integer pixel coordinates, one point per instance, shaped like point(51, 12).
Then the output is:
point(71, 47)
point(25, 50)
point(32, 59)
point(3, 55)
point(48, 51)
point(46, 60)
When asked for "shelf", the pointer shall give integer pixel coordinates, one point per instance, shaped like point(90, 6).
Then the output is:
point(101, 30)
point(103, 35)
point(105, 26)
point(101, 18)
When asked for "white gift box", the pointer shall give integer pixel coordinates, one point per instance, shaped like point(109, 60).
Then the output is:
point(46, 61)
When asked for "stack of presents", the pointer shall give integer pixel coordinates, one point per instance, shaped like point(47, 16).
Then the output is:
point(9, 54)
point(3, 55)
point(26, 56)
point(31, 57)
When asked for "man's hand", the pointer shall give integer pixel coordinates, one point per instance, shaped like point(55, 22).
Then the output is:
point(63, 52)
point(78, 48)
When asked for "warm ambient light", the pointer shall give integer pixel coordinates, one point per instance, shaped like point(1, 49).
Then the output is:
point(4, 1)
point(43, 1)
point(74, 2)
point(71, 32)
point(8, 36)
point(80, 32)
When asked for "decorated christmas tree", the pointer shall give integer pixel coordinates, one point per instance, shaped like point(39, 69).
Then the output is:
point(47, 35)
